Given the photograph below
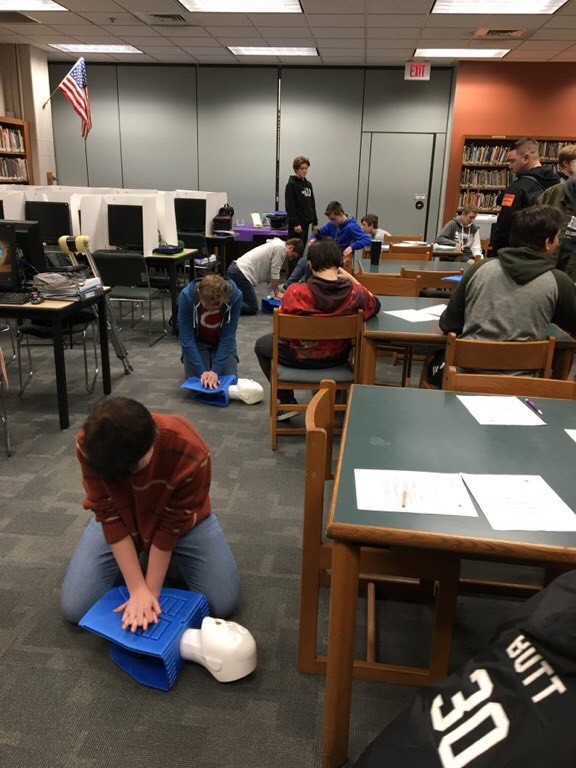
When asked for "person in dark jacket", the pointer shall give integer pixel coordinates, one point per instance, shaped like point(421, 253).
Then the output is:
point(516, 296)
point(330, 292)
point(299, 200)
point(208, 313)
point(563, 197)
point(532, 179)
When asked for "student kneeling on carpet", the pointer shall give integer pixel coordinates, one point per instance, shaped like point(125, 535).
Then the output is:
point(331, 291)
point(208, 314)
point(147, 480)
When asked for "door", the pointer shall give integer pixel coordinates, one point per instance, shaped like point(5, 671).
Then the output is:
point(399, 181)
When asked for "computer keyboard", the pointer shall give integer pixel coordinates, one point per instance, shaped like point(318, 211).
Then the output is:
point(15, 297)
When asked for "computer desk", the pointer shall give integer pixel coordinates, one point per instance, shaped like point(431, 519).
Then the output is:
point(388, 329)
point(171, 262)
point(55, 312)
point(390, 428)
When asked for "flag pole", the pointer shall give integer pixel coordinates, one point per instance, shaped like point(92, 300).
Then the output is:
point(60, 83)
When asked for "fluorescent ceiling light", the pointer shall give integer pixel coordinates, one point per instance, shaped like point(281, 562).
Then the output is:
point(30, 5)
point(270, 51)
point(242, 6)
point(461, 53)
point(497, 6)
point(79, 48)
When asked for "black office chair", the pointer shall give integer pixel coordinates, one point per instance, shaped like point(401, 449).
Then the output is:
point(204, 263)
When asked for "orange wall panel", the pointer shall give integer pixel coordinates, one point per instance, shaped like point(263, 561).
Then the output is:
point(509, 99)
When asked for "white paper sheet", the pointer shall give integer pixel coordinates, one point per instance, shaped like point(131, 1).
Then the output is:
point(520, 503)
point(571, 433)
point(495, 410)
point(437, 309)
point(431, 493)
point(412, 315)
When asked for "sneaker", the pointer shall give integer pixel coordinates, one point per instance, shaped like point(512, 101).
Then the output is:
point(286, 414)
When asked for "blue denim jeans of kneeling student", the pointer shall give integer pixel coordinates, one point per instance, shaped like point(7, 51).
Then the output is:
point(203, 557)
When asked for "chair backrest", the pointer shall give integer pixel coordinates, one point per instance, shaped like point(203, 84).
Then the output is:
point(485, 243)
point(409, 252)
point(319, 434)
point(404, 238)
point(389, 285)
point(527, 386)
point(198, 241)
point(306, 328)
point(431, 280)
point(122, 268)
point(500, 355)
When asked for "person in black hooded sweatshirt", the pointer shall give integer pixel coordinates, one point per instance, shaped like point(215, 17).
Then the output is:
point(299, 200)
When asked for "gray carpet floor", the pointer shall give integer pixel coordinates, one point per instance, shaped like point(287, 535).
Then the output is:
point(62, 700)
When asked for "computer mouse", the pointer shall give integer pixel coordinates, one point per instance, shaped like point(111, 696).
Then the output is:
point(36, 300)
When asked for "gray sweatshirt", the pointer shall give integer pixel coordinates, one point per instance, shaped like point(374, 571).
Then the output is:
point(467, 236)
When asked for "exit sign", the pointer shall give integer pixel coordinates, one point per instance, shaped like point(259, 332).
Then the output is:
point(417, 70)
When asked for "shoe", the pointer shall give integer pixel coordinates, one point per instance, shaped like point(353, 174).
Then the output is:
point(284, 415)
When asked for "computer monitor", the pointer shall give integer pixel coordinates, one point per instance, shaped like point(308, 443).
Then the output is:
point(54, 219)
point(9, 274)
point(190, 214)
point(29, 241)
point(125, 228)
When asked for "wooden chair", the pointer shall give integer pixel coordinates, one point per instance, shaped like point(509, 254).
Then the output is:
point(305, 328)
point(378, 566)
point(485, 243)
point(524, 386)
point(389, 285)
point(403, 238)
point(409, 252)
point(3, 408)
point(478, 356)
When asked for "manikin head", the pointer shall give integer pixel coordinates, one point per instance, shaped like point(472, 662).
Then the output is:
point(226, 649)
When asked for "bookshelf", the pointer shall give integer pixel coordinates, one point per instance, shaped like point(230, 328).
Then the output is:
point(15, 152)
point(484, 171)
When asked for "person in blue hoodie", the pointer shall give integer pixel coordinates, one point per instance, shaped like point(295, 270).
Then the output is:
point(344, 229)
point(208, 314)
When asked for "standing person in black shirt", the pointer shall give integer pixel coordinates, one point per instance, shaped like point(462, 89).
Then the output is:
point(299, 200)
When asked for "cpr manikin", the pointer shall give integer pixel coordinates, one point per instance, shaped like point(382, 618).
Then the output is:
point(225, 648)
point(247, 390)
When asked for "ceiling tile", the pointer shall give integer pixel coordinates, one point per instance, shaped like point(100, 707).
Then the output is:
point(284, 32)
point(334, 42)
point(140, 42)
point(221, 19)
point(50, 17)
point(390, 45)
point(395, 20)
point(277, 19)
point(341, 33)
point(202, 50)
point(177, 32)
point(329, 6)
point(554, 34)
point(125, 30)
point(232, 30)
point(462, 20)
point(545, 45)
point(88, 5)
point(407, 6)
point(105, 18)
point(152, 6)
point(329, 20)
point(560, 22)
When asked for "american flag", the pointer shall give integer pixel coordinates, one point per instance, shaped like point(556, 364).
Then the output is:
point(75, 89)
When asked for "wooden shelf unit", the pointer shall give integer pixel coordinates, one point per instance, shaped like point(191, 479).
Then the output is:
point(15, 152)
point(484, 171)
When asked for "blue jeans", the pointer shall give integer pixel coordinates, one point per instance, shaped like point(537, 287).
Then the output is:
point(208, 353)
point(203, 557)
point(249, 298)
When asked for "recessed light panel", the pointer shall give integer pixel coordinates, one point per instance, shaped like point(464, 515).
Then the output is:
point(461, 53)
point(30, 5)
point(498, 6)
point(242, 6)
point(79, 48)
point(269, 51)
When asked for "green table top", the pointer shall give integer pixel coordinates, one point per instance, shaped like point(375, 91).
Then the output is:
point(394, 266)
point(390, 326)
point(430, 431)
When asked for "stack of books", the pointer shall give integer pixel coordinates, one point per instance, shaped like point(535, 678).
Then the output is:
point(74, 291)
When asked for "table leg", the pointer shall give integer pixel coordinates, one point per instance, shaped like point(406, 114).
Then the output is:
point(173, 294)
point(341, 642)
point(368, 362)
point(60, 368)
point(104, 350)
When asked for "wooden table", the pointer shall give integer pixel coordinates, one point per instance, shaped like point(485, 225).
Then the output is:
point(55, 312)
point(171, 262)
point(395, 266)
point(388, 428)
point(388, 329)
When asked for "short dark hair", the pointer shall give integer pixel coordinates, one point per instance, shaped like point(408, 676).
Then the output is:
point(324, 254)
point(334, 208)
point(117, 434)
point(527, 145)
point(297, 244)
point(371, 219)
point(531, 227)
point(300, 160)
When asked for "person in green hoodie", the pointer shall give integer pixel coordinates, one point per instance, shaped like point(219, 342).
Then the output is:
point(516, 296)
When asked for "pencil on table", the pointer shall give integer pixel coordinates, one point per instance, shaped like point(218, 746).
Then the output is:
point(404, 498)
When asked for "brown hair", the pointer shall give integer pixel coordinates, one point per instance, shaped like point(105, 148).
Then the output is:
point(371, 219)
point(526, 145)
point(531, 227)
point(214, 291)
point(469, 208)
point(300, 160)
point(117, 434)
point(325, 253)
point(296, 244)
point(334, 208)
point(567, 154)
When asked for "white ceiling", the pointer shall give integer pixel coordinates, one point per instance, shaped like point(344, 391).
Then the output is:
point(345, 32)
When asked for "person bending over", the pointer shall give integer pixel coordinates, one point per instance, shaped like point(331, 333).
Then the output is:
point(147, 480)
point(208, 314)
point(262, 265)
point(344, 229)
point(330, 292)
